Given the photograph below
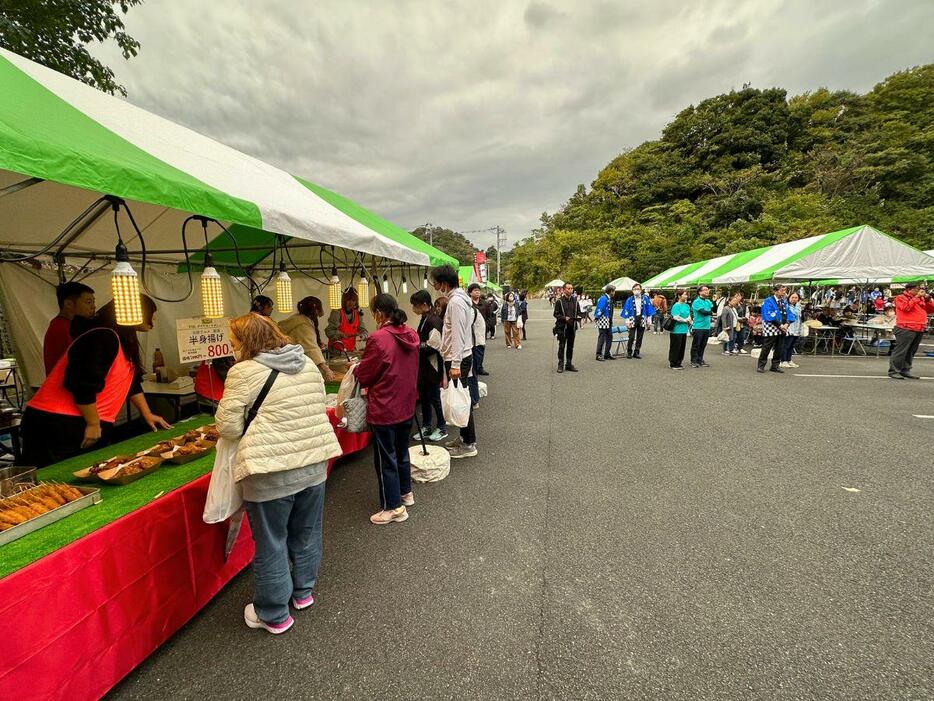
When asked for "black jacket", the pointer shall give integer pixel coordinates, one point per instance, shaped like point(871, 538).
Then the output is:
point(567, 306)
point(429, 360)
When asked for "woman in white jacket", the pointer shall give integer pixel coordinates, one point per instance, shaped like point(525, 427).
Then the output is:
point(281, 465)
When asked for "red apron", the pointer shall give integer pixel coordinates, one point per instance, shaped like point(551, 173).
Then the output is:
point(348, 327)
point(53, 398)
point(208, 383)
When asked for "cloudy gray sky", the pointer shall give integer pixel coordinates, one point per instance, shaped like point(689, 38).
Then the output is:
point(470, 114)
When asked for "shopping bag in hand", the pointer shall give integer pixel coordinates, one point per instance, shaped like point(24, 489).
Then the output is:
point(455, 403)
point(224, 496)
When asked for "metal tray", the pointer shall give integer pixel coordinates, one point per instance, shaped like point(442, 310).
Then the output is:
point(12, 479)
point(91, 497)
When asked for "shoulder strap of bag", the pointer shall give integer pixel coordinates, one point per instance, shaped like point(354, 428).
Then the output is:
point(260, 398)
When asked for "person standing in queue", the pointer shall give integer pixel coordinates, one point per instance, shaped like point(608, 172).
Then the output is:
point(660, 304)
point(776, 316)
point(603, 320)
point(261, 305)
point(911, 319)
point(74, 299)
point(302, 328)
point(492, 306)
point(566, 313)
point(345, 325)
point(75, 408)
point(457, 348)
point(388, 371)
point(795, 326)
point(637, 313)
point(524, 311)
point(430, 367)
point(479, 328)
point(281, 465)
point(678, 337)
point(701, 312)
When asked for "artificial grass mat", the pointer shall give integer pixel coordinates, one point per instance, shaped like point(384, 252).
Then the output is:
point(116, 501)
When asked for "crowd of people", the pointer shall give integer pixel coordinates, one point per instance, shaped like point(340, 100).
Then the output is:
point(771, 328)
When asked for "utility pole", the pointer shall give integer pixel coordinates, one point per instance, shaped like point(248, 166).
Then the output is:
point(500, 240)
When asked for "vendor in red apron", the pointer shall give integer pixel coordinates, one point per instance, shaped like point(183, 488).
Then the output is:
point(345, 325)
point(210, 378)
point(75, 408)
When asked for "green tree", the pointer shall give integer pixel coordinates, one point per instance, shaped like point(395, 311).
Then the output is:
point(55, 34)
point(448, 241)
point(747, 169)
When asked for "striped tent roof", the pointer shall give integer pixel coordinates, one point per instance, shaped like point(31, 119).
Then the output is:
point(858, 254)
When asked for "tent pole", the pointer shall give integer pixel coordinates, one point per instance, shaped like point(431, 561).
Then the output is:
point(77, 229)
point(21, 185)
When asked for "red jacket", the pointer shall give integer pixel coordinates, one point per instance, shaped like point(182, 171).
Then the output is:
point(389, 372)
point(912, 312)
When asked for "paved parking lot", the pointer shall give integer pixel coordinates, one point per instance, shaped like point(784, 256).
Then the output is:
point(626, 532)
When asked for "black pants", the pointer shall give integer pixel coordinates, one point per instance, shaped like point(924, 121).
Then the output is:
point(566, 345)
point(676, 345)
point(430, 399)
point(699, 345)
point(391, 456)
point(635, 337)
point(772, 344)
point(468, 434)
point(903, 355)
point(491, 328)
point(50, 438)
point(604, 342)
point(525, 322)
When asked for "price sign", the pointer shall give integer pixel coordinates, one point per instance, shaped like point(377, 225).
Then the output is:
point(202, 339)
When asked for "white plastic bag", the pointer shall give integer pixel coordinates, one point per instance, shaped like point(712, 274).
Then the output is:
point(224, 497)
point(519, 323)
point(455, 403)
point(482, 389)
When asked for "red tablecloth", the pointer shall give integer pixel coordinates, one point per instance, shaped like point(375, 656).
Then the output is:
point(77, 621)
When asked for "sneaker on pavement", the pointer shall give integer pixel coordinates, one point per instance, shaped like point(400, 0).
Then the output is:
point(570, 368)
point(773, 369)
point(695, 365)
point(909, 376)
point(744, 352)
point(793, 364)
point(437, 435)
point(304, 602)
point(252, 621)
point(704, 364)
point(418, 435)
point(463, 451)
point(456, 443)
point(519, 347)
point(386, 516)
point(408, 500)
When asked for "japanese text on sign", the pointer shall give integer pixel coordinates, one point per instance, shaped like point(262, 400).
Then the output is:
point(202, 339)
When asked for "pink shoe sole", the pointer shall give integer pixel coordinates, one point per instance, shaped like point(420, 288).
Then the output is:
point(300, 604)
point(251, 620)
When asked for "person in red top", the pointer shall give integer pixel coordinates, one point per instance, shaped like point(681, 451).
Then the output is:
point(345, 325)
point(911, 319)
point(75, 408)
point(389, 371)
point(74, 299)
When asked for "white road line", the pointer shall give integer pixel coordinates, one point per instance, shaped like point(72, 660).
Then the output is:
point(922, 416)
point(865, 377)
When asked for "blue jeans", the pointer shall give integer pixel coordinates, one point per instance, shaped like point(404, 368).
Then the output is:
point(393, 469)
point(286, 529)
point(788, 348)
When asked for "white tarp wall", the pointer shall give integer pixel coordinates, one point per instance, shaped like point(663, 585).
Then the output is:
point(29, 304)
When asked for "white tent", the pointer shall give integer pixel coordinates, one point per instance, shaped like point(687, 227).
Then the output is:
point(557, 282)
point(623, 284)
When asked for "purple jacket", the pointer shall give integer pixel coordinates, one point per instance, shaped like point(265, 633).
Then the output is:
point(389, 372)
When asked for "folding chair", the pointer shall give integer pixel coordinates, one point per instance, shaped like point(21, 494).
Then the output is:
point(620, 339)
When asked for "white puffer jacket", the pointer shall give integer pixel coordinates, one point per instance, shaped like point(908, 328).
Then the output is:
point(291, 429)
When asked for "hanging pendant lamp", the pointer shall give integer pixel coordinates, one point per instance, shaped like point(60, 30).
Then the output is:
point(283, 291)
point(385, 284)
point(212, 293)
point(363, 291)
point(124, 284)
point(334, 290)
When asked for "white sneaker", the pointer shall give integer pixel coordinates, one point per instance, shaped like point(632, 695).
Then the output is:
point(783, 364)
point(793, 364)
point(519, 347)
point(744, 352)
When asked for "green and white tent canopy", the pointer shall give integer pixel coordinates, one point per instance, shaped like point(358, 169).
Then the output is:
point(860, 254)
point(63, 144)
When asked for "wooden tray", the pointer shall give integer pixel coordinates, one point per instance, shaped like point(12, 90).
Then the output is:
point(91, 497)
point(175, 459)
point(105, 476)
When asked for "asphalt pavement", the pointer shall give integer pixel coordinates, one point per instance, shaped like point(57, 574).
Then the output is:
point(627, 531)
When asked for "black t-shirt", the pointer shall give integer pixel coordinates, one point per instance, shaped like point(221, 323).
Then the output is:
point(89, 360)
